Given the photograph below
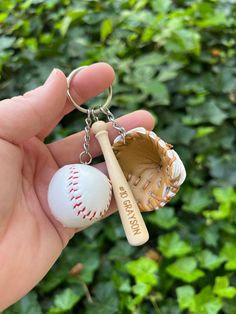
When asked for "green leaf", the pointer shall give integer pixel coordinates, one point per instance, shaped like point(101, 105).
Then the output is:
point(76, 14)
point(228, 252)
point(222, 212)
point(121, 250)
point(144, 270)
point(209, 112)
point(106, 29)
point(185, 296)
point(222, 168)
point(65, 24)
point(166, 75)
point(90, 260)
point(105, 301)
point(195, 200)
point(210, 234)
point(161, 6)
point(209, 260)
point(225, 195)
point(216, 19)
point(157, 90)
point(51, 281)
point(172, 131)
point(120, 282)
point(28, 304)
point(185, 269)
point(6, 42)
point(171, 245)
point(229, 306)
point(203, 131)
point(152, 58)
point(206, 303)
point(3, 17)
point(164, 218)
point(184, 40)
point(222, 288)
point(64, 301)
point(141, 289)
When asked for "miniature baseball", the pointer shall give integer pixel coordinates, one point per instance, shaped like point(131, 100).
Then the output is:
point(79, 195)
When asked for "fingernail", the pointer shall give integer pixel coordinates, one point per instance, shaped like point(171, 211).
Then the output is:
point(51, 76)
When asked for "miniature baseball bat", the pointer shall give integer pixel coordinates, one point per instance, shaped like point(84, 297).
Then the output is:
point(132, 220)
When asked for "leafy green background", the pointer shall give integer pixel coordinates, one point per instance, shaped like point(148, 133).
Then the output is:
point(177, 60)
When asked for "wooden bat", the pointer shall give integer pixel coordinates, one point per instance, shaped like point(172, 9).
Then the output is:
point(132, 220)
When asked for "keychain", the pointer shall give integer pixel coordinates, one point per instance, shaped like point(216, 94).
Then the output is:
point(145, 173)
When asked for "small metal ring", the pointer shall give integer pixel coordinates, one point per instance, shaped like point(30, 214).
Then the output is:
point(80, 108)
point(82, 156)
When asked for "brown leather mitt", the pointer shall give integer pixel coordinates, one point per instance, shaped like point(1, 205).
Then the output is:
point(154, 170)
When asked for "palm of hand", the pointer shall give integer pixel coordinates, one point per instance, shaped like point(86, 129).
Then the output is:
point(29, 235)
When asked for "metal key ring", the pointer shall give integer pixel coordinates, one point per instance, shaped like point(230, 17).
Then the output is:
point(106, 105)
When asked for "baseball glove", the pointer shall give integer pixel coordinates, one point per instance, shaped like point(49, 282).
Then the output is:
point(153, 170)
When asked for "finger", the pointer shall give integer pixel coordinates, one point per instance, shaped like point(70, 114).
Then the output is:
point(66, 151)
point(23, 117)
point(86, 84)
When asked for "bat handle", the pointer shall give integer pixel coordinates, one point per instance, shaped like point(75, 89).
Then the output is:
point(132, 220)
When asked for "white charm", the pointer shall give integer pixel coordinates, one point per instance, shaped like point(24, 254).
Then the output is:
point(79, 195)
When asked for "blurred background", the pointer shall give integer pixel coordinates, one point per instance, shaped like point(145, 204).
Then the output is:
point(177, 60)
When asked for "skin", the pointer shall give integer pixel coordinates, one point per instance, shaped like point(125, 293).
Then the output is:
point(31, 239)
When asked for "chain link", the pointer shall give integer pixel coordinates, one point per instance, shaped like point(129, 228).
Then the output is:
point(115, 125)
point(94, 115)
point(83, 156)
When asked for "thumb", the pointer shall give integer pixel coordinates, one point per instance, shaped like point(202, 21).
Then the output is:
point(23, 117)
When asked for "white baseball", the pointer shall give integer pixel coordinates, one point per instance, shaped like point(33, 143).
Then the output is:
point(79, 195)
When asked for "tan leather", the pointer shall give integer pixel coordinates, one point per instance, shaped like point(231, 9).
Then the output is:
point(147, 168)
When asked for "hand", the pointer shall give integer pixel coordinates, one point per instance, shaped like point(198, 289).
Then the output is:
point(30, 238)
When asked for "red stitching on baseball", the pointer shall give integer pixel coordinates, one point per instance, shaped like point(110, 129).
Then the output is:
point(74, 198)
point(93, 215)
point(77, 205)
point(74, 176)
point(87, 214)
point(80, 211)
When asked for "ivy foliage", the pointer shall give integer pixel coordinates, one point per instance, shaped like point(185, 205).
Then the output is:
point(177, 60)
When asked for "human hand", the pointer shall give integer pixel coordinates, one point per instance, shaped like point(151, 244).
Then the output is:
point(31, 239)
